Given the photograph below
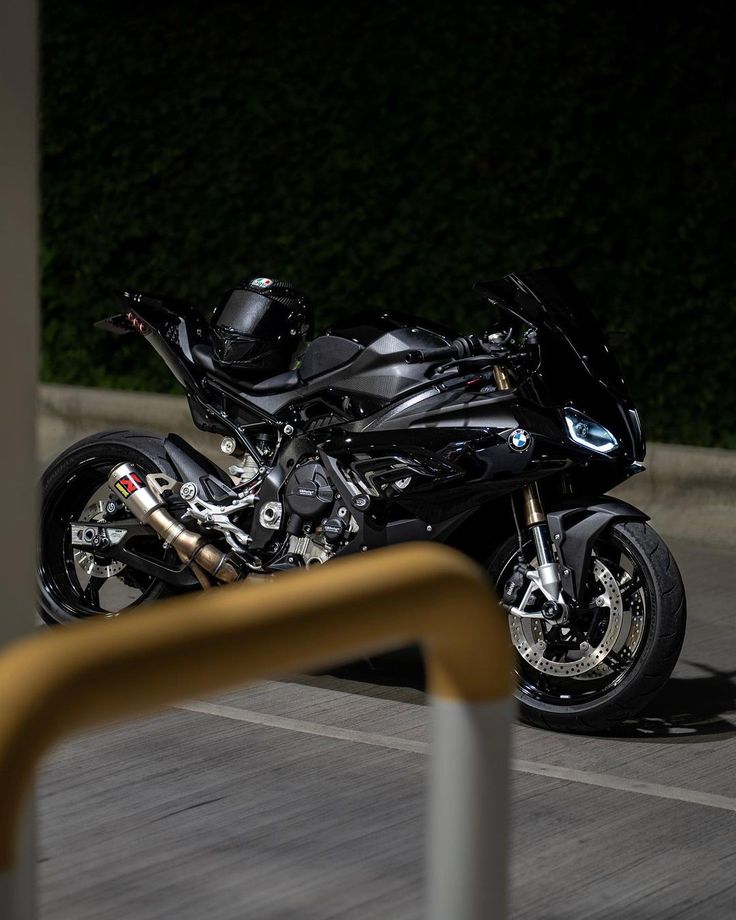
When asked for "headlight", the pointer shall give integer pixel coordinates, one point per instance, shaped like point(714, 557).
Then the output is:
point(584, 431)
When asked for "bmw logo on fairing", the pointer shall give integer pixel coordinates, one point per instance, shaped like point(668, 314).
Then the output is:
point(519, 439)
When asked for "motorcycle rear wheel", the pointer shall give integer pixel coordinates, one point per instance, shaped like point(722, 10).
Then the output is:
point(647, 598)
point(76, 585)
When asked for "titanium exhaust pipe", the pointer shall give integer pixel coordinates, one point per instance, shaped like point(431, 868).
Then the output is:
point(128, 482)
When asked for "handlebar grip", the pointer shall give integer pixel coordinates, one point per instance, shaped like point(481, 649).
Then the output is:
point(464, 347)
point(430, 354)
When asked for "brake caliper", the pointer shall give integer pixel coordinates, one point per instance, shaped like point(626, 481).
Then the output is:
point(515, 583)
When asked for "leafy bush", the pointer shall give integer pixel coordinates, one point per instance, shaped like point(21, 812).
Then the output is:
point(387, 156)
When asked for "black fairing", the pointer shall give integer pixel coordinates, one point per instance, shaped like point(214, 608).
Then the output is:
point(574, 364)
point(574, 526)
point(422, 447)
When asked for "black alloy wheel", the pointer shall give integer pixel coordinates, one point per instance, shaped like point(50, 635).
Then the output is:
point(76, 583)
point(618, 648)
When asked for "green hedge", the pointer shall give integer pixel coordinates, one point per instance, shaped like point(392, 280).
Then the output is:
point(387, 156)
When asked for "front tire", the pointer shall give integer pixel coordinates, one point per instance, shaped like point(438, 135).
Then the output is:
point(626, 680)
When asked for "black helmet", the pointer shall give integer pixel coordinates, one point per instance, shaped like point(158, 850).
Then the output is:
point(258, 326)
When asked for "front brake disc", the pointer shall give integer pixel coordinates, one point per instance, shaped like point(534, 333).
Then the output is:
point(528, 635)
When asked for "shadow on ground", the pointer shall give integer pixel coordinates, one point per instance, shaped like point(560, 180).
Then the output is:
point(689, 709)
point(699, 708)
point(402, 668)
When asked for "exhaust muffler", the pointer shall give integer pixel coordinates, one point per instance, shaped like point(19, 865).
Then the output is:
point(128, 482)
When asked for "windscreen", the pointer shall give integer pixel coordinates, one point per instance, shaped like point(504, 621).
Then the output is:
point(548, 300)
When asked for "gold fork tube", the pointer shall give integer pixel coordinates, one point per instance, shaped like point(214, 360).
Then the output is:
point(501, 378)
point(533, 505)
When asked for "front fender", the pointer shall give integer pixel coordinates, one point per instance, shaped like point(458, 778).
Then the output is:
point(574, 527)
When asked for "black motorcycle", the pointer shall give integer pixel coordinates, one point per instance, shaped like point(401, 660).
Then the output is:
point(382, 430)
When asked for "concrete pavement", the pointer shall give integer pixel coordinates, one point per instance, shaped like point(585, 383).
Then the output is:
point(304, 798)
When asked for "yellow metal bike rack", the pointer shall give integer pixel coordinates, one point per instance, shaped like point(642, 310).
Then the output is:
point(104, 671)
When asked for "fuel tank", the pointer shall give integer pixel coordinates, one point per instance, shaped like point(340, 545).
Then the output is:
point(354, 369)
point(365, 356)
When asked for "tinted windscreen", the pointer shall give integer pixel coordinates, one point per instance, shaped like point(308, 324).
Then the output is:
point(549, 300)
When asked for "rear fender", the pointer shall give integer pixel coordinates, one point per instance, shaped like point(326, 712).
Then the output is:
point(213, 484)
point(117, 324)
point(574, 528)
point(173, 327)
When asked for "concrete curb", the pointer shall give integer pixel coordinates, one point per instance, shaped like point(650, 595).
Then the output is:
point(67, 413)
point(690, 492)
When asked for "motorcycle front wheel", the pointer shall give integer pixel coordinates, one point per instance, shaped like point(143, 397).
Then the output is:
point(617, 650)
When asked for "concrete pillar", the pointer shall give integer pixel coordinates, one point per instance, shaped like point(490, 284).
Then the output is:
point(18, 361)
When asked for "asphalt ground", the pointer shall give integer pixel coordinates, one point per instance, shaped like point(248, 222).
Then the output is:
point(304, 798)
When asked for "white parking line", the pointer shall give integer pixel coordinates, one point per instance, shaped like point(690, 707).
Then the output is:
point(306, 728)
point(605, 780)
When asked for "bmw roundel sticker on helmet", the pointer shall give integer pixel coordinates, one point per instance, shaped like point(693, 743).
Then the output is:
point(262, 282)
point(519, 439)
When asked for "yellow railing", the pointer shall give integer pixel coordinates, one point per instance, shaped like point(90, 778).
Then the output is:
point(111, 670)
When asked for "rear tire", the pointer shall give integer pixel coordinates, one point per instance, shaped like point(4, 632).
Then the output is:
point(655, 657)
point(66, 487)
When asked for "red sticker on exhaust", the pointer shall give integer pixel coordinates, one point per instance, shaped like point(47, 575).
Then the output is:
point(129, 484)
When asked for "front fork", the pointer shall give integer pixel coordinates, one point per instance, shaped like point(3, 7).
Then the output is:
point(548, 571)
point(536, 520)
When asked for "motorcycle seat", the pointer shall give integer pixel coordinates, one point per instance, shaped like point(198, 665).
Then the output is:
point(281, 383)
